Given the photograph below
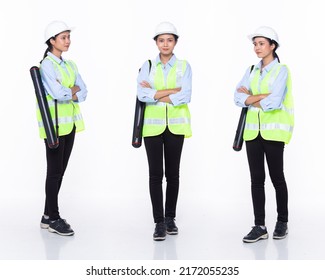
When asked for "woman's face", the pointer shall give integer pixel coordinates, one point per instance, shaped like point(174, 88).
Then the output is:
point(262, 47)
point(166, 44)
point(61, 42)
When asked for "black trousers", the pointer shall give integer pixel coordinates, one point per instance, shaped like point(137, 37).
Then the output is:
point(166, 146)
point(57, 161)
point(257, 150)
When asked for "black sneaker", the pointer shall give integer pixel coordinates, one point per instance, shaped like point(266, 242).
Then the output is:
point(160, 232)
point(281, 230)
point(256, 234)
point(171, 226)
point(60, 226)
point(45, 222)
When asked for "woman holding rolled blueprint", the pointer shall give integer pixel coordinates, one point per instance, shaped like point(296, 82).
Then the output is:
point(266, 91)
point(65, 89)
point(166, 87)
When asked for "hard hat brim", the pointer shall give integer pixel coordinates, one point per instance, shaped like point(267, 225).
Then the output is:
point(252, 36)
point(166, 32)
point(60, 31)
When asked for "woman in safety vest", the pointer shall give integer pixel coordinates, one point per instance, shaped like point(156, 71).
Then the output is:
point(65, 89)
point(266, 91)
point(165, 85)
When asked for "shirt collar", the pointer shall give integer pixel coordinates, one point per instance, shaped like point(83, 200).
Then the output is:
point(269, 66)
point(58, 60)
point(170, 62)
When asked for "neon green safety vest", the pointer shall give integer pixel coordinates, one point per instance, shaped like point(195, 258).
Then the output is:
point(158, 115)
point(69, 113)
point(276, 125)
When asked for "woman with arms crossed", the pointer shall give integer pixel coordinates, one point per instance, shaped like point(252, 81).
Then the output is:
point(166, 88)
point(65, 89)
point(266, 91)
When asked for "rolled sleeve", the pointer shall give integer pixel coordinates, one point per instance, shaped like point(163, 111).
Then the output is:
point(184, 95)
point(277, 92)
point(145, 94)
point(240, 97)
point(82, 94)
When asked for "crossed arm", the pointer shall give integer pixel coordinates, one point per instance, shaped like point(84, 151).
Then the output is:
point(253, 100)
point(161, 95)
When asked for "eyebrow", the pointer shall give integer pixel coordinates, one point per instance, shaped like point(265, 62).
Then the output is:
point(168, 38)
point(259, 40)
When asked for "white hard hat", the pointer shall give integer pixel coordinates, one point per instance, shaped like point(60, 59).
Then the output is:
point(265, 31)
point(54, 28)
point(165, 28)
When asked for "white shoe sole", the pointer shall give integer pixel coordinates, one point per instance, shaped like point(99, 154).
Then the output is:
point(159, 238)
point(44, 226)
point(264, 236)
point(172, 232)
point(60, 233)
point(281, 237)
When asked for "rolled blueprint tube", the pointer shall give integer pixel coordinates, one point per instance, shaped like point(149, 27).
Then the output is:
point(238, 142)
point(138, 123)
point(52, 139)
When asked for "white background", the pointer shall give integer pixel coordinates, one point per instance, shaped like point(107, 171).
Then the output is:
point(105, 190)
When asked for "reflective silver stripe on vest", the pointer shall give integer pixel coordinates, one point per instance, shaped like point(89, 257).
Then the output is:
point(179, 73)
point(273, 75)
point(77, 117)
point(269, 126)
point(179, 121)
point(254, 109)
point(154, 121)
point(272, 126)
point(152, 74)
point(63, 120)
point(52, 102)
point(251, 126)
point(287, 110)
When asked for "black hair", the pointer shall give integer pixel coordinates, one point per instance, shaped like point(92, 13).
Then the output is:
point(175, 36)
point(275, 43)
point(49, 47)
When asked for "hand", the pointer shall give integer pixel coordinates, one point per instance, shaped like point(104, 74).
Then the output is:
point(177, 89)
point(74, 97)
point(145, 84)
point(75, 89)
point(263, 95)
point(244, 90)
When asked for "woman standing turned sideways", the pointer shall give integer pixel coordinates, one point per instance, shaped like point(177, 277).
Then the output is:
point(65, 89)
point(266, 91)
point(165, 85)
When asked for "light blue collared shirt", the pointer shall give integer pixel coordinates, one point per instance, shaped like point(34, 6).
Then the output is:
point(179, 98)
point(277, 92)
point(51, 78)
